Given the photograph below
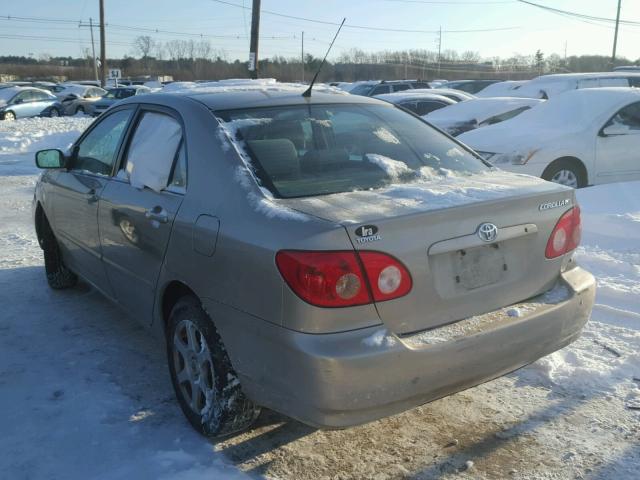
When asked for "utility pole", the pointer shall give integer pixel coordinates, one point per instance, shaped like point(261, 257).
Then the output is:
point(93, 51)
point(615, 37)
point(439, 49)
point(103, 51)
point(302, 57)
point(255, 32)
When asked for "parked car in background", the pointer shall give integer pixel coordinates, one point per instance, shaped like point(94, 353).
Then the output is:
point(44, 85)
point(23, 102)
point(479, 112)
point(547, 86)
point(114, 95)
point(456, 95)
point(508, 88)
point(82, 101)
point(419, 103)
point(332, 257)
point(579, 138)
point(437, 83)
point(627, 68)
point(469, 86)
point(371, 89)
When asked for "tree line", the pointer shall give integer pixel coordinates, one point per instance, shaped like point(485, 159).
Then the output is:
point(200, 60)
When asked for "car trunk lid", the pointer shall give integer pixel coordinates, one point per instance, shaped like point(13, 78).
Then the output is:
point(434, 229)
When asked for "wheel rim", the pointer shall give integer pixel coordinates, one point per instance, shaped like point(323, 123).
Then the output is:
point(54, 113)
point(193, 367)
point(566, 177)
point(9, 116)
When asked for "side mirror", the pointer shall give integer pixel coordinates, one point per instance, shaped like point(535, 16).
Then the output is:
point(615, 129)
point(52, 158)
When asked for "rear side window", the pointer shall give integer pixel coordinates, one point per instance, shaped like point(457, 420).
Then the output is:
point(153, 151)
point(400, 87)
point(352, 147)
point(97, 152)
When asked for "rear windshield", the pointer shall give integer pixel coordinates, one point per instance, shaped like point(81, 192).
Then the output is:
point(300, 150)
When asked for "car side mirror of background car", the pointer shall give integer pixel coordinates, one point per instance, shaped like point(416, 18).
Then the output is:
point(51, 158)
point(615, 129)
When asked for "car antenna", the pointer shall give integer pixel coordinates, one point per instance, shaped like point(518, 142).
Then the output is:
point(307, 92)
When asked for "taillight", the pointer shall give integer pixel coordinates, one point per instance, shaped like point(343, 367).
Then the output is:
point(337, 278)
point(566, 234)
point(387, 276)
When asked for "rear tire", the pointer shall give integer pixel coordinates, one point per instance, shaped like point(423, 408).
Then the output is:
point(59, 276)
point(207, 387)
point(567, 172)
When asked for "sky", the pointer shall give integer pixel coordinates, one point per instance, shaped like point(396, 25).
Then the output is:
point(517, 27)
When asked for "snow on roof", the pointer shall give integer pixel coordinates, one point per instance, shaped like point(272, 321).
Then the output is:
point(412, 95)
point(479, 109)
point(507, 88)
point(571, 111)
point(244, 85)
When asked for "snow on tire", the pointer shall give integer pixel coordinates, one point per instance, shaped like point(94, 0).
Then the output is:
point(207, 387)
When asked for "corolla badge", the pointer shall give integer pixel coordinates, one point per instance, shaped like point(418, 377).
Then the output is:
point(487, 232)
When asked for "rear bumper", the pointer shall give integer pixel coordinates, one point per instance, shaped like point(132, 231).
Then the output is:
point(343, 379)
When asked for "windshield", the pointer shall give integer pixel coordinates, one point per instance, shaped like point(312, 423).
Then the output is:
point(7, 94)
point(315, 150)
point(120, 93)
point(361, 89)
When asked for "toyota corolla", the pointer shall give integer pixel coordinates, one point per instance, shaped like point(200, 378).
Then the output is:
point(331, 257)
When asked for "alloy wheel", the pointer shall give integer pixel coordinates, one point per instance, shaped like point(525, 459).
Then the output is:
point(9, 116)
point(194, 368)
point(566, 177)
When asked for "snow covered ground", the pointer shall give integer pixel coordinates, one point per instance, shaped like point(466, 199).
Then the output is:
point(85, 393)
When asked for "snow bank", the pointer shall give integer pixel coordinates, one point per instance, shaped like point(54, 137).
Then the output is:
point(32, 134)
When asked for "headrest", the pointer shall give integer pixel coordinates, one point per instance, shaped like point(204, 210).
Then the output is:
point(278, 157)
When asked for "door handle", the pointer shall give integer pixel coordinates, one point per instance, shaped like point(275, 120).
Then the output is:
point(93, 198)
point(158, 214)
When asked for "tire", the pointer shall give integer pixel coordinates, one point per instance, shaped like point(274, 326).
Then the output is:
point(81, 110)
point(59, 276)
point(9, 116)
point(566, 172)
point(54, 112)
point(197, 357)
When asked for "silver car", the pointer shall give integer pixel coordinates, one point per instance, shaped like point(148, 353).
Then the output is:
point(333, 258)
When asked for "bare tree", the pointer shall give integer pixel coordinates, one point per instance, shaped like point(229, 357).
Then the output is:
point(144, 45)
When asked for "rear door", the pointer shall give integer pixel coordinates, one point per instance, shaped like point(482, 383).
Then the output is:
point(618, 156)
point(138, 207)
point(76, 192)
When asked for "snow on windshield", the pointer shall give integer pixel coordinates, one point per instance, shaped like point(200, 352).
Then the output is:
point(243, 85)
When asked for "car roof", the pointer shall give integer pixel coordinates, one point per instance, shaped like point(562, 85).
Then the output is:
point(240, 99)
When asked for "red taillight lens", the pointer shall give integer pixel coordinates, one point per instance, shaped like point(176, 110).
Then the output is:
point(566, 235)
point(387, 276)
point(337, 279)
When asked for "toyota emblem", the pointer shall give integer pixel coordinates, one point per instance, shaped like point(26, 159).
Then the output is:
point(487, 232)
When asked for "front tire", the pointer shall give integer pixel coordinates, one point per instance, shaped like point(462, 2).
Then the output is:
point(9, 116)
point(54, 113)
point(566, 172)
point(59, 277)
point(207, 387)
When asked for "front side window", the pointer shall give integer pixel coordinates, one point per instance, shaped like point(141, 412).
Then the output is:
point(380, 89)
point(629, 116)
point(153, 150)
point(352, 147)
point(97, 152)
point(400, 87)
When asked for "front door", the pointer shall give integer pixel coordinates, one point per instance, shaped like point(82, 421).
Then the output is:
point(618, 147)
point(76, 193)
point(138, 207)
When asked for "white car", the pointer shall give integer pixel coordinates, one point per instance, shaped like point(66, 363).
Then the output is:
point(582, 137)
point(478, 112)
point(547, 86)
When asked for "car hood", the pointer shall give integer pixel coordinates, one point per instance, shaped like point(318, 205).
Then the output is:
point(411, 198)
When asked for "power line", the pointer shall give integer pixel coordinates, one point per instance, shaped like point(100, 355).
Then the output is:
point(366, 27)
point(577, 14)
